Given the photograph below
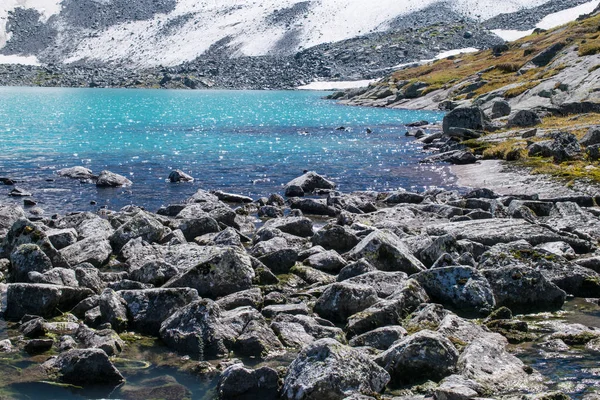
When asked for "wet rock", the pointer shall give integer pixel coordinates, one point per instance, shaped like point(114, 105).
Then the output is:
point(308, 183)
point(163, 387)
point(106, 340)
point(457, 157)
point(328, 370)
point(237, 382)
point(575, 334)
point(79, 173)
point(232, 198)
point(328, 261)
point(113, 310)
point(61, 238)
point(385, 251)
point(270, 212)
point(524, 119)
point(110, 179)
point(25, 259)
point(524, 290)
point(38, 346)
point(390, 311)
point(403, 197)
point(296, 331)
point(458, 287)
point(92, 250)
point(19, 192)
point(335, 237)
point(380, 338)
point(422, 356)
point(84, 367)
point(179, 176)
point(384, 283)
point(356, 268)
point(141, 225)
point(43, 300)
point(297, 226)
point(467, 117)
point(147, 309)
point(341, 300)
point(221, 272)
point(154, 272)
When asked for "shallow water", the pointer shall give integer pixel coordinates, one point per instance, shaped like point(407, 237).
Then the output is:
point(250, 142)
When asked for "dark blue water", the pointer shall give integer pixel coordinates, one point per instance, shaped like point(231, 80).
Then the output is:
point(250, 142)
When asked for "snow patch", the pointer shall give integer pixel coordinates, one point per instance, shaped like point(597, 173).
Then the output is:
point(46, 8)
point(341, 85)
point(446, 54)
point(29, 60)
point(550, 21)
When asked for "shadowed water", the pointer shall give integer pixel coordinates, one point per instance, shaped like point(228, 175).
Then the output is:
point(250, 142)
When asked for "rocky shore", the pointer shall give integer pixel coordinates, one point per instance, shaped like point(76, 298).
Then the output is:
point(368, 295)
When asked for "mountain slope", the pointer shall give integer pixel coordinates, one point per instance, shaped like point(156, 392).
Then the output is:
point(146, 33)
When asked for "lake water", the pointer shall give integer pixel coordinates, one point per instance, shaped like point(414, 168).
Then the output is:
point(248, 142)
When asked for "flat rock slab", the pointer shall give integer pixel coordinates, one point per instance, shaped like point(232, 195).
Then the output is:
point(491, 232)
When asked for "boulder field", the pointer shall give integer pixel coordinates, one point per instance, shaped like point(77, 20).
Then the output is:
point(366, 294)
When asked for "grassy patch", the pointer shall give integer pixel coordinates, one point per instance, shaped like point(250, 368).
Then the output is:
point(509, 150)
point(589, 48)
point(519, 90)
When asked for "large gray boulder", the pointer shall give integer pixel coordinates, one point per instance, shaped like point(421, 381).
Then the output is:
point(25, 259)
point(86, 224)
point(141, 225)
point(380, 338)
point(335, 237)
point(461, 288)
point(296, 331)
point(110, 179)
point(341, 300)
point(390, 311)
point(523, 119)
point(307, 183)
point(9, 214)
point(221, 272)
point(524, 290)
point(107, 340)
point(113, 310)
point(147, 309)
point(328, 261)
point(426, 355)
point(178, 175)
point(93, 250)
point(84, 367)
point(329, 370)
point(55, 276)
point(297, 226)
point(61, 238)
point(464, 117)
point(592, 137)
point(79, 173)
point(194, 227)
point(384, 283)
point(385, 251)
point(43, 300)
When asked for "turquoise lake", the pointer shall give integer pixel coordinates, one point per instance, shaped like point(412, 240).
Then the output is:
point(248, 142)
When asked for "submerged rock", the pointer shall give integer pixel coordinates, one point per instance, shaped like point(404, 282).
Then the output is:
point(84, 367)
point(179, 176)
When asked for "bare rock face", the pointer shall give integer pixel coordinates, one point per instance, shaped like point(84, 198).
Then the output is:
point(326, 369)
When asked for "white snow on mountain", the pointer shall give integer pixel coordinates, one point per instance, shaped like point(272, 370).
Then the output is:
point(550, 21)
point(248, 27)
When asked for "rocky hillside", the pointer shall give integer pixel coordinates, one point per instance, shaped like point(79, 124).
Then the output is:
point(552, 71)
point(232, 44)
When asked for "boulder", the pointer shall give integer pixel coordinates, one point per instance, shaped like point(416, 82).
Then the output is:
point(461, 288)
point(327, 369)
point(86, 224)
point(296, 331)
point(464, 117)
point(297, 226)
point(55, 276)
point(257, 340)
point(113, 310)
point(84, 367)
point(194, 227)
point(390, 311)
point(426, 355)
point(106, 340)
point(341, 300)
point(232, 198)
point(237, 382)
point(147, 309)
point(25, 259)
point(500, 108)
point(313, 207)
point(565, 147)
point(246, 298)
point(524, 290)
point(385, 251)
point(43, 300)
point(308, 182)
point(271, 311)
point(335, 237)
point(327, 261)
point(141, 225)
point(380, 338)
point(592, 137)
point(154, 272)
point(9, 214)
point(110, 179)
point(178, 175)
point(221, 272)
point(61, 238)
point(523, 119)
point(88, 276)
point(384, 283)
point(93, 250)
point(354, 269)
point(79, 173)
